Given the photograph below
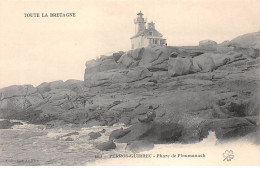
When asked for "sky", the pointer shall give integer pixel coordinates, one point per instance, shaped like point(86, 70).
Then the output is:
point(35, 50)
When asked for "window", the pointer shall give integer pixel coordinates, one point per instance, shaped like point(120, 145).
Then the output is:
point(151, 33)
point(155, 41)
point(161, 42)
point(150, 41)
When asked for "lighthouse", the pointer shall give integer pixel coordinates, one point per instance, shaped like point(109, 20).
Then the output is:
point(145, 36)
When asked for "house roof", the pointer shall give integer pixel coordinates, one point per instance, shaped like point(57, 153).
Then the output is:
point(146, 33)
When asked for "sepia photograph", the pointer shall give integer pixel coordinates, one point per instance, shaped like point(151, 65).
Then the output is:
point(129, 83)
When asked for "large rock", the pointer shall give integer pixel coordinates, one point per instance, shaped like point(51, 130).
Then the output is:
point(125, 107)
point(49, 112)
point(139, 146)
point(16, 91)
point(94, 135)
point(105, 146)
point(16, 104)
point(18, 98)
point(207, 43)
point(131, 58)
point(116, 76)
point(116, 56)
point(100, 65)
point(178, 65)
point(155, 132)
point(155, 58)
point(228, 128)
point(55, 123)
point(6, 124)
point(254, 53)
point(74, 85)
point(252, 106)
point(138, 73)
point(48, 86)
point(117, 134)
point(165, 132)
point(74, 116)
point(204, 63)
point(105, 78)
point(250, 40)
point(62, 98)
point(136, 132)
point(225, 43)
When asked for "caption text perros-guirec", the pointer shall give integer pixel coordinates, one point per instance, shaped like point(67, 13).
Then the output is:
point(45, 15)
point(153, 156)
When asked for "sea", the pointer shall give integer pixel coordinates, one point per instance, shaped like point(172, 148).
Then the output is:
point(36, 145)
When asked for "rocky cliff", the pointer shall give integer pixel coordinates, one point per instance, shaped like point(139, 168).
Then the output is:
point(193, 90)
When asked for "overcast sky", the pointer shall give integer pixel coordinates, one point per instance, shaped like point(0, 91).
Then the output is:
point(36, 50)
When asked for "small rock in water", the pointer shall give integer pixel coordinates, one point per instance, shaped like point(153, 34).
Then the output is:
point(69, 139)
point(105, 146)
point(94, 135)
point(103, 131)
point(17, 123)
point(6, 124)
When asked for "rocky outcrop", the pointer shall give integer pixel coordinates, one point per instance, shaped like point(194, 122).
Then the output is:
point(193, 90)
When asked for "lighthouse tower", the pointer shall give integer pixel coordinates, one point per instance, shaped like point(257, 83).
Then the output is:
point(139, 23)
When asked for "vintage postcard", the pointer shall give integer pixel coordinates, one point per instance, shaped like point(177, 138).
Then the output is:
point(129, 82)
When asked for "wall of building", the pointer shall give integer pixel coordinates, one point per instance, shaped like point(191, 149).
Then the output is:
point(137, 42)
point(143, 41)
